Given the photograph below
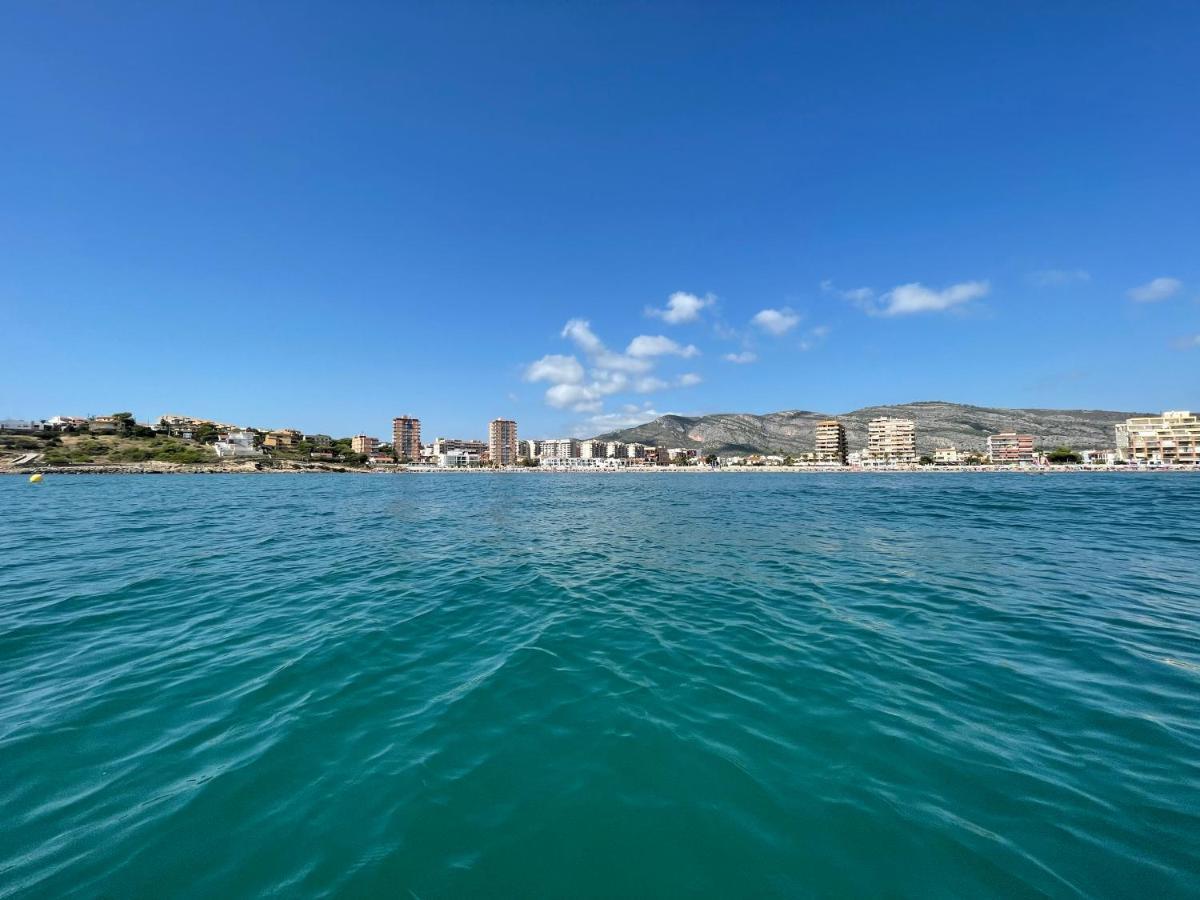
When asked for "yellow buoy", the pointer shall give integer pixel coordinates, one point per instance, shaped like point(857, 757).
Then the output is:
point(35, 478)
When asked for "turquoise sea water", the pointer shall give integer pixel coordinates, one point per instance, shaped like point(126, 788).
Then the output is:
point(600, 686)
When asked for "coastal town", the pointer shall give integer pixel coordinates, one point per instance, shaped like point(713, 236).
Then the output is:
point(117, 442)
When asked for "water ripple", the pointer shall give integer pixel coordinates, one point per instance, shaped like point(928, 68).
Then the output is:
point(643, 685)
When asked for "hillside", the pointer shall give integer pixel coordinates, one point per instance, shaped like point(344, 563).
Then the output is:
point(938, 425)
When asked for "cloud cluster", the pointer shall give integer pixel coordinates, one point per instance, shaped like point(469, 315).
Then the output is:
point(682, 307)
point(1153, 291)
point(648, 345)
point(908, 299)
point(776, 321)
point(741, 359)
point(580, 388)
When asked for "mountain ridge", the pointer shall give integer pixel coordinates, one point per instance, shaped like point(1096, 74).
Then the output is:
point(938, 424)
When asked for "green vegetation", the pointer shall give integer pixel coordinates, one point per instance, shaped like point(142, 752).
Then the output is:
point(96, 450)
point(926, 460)
point(1062, 456)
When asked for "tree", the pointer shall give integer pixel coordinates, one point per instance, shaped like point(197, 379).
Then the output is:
point(125, 422)
point(204, 434)
point(1063, 455)
point(926, 460)
point(680, 459)
point(711, 459)
point(788, 461)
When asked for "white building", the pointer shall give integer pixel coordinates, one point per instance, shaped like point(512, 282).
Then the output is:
point(891, 442)
point(592, 450)
point(1099, 457)
point(457, 459)
point(560, 448)
point(237, 444)
point(948, 456)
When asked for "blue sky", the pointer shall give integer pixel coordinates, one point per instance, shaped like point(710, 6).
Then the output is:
point(324, 215)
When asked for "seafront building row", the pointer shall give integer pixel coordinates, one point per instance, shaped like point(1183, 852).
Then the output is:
point(1170, 439)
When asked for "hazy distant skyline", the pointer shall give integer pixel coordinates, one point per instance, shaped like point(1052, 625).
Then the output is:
point(580, 216)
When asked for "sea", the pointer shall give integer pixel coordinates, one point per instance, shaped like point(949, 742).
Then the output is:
point(628, 685)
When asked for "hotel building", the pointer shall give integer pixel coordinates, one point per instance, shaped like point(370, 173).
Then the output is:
point(406, 437)
point(831, 442)
point(1010, 447)
point(502, 442)
point(891, 442)
point(361, 443)
point(1170, 439)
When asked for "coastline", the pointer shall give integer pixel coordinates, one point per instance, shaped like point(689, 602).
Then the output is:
point(160, 468)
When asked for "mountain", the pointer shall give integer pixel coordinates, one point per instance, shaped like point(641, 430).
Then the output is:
point(938, 425)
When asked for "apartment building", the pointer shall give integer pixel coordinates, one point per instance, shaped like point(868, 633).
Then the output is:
point(282, 439)
point(831, 442)
point(1170, 439)
point(364, 444)
point(891, 442)
point(502, 442)
point(948, 456)
point(560, 448)
point(446, 445)
point(1009, 447)
point(406, 437)
point(592, 450)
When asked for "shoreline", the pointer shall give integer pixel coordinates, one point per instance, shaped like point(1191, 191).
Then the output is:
point(210, 469)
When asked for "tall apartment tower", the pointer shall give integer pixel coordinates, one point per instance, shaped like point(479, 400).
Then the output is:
point(406, 437)
point(831, 442)
point(891, 442)
point(502, 442)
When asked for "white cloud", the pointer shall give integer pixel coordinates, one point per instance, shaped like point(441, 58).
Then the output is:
point(740, 359)
point(1059, 277)
point(582, 388)
point(1158, 289)
point(689, 379)
point(861, 296)
point(645, 345)
point(616, 362)
point(682, 307)
point(580, 331)
point(916, 298)
point(586, 397)
point(555, 368)
point(776, 321)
